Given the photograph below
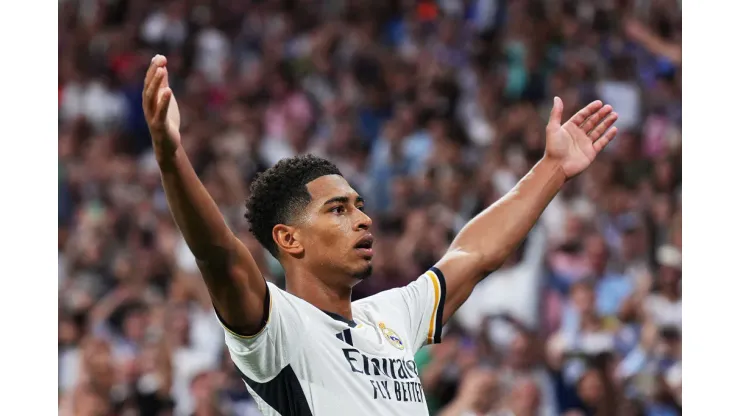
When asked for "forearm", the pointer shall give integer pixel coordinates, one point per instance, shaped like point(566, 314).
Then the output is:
point(235, 284)
point(668, 50)
point(195, 212)
point(658, 46)
point(494, 234)
point(487, 240)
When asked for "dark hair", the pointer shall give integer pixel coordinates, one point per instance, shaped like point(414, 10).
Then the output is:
point(278, 194)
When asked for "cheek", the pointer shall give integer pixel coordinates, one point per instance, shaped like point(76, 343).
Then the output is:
point(327, 234)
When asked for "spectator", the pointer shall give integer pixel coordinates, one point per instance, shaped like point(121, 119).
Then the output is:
point(477, 395)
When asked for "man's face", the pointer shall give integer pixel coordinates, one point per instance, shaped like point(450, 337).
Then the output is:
point(335, 232)
point(134, 326)
point(583, 299)
point(520, 356)
point(590, 388)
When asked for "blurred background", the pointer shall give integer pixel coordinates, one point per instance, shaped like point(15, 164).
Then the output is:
point(432, 110)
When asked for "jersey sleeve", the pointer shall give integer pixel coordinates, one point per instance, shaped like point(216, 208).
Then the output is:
point(262, 356)
point(420, 304)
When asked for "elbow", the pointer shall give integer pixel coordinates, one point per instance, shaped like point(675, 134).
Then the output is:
point(498, 254)
point(491, 260)
point(488, 255)
point(210, 256)
point(492, 264)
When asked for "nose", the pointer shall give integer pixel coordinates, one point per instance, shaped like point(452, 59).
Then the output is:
point(363, 222)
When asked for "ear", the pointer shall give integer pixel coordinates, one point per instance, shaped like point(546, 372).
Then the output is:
point(286, 238)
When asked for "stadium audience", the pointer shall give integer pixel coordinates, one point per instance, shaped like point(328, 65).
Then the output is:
point(432, 109)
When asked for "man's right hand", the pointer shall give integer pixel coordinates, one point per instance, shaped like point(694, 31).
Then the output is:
point(160, 109)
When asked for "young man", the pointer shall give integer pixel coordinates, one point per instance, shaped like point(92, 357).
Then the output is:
point(310, 350)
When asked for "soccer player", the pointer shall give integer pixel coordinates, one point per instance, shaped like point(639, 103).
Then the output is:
point(310, 350)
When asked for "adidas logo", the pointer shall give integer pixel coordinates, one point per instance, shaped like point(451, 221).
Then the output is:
point(345, 336)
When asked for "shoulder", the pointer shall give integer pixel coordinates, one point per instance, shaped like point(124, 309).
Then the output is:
point(280, 295)
point(427, 281)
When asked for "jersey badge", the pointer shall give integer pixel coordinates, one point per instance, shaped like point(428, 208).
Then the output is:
point(391, 336)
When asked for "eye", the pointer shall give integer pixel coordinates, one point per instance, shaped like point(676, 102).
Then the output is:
point(361, 208)
point(339, 209)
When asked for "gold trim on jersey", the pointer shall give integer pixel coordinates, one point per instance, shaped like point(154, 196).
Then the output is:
point(269, 314)
point(437, 292)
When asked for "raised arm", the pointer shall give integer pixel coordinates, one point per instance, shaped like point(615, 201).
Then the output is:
point(237, 289)
point(488, 239)
point(653, 42)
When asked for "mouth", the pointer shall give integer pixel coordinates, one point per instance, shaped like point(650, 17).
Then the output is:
point(365, 246)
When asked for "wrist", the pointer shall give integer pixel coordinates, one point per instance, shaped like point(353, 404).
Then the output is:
point(166, 155)
point(554, 167)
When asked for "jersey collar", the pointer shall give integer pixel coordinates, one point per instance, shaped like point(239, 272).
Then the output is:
point(340, 318)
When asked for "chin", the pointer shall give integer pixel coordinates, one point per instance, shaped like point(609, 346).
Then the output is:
point(364, 272)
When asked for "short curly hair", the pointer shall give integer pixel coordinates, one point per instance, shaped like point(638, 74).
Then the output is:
point(279, 194)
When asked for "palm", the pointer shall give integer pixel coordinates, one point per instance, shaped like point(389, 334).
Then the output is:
point(160, 107)
point(575, 144)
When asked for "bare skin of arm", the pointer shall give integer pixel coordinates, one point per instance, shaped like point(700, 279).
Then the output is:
point(652, 42)
point(489, 238)
point(236, 286)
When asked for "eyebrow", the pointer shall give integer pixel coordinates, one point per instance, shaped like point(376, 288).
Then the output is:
point(343, 200)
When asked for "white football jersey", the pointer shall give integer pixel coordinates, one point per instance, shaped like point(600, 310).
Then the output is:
point(309, 362)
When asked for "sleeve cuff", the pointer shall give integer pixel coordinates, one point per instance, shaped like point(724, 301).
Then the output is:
point(434, 335)
point(265, 318)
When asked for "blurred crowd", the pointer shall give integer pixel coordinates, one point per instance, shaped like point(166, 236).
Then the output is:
point(432, 110)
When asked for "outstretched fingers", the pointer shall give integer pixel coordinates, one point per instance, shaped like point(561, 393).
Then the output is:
point(603, 126)
point(556, 114)
point(158, 61)
point(580, 117)
point(596, 119)
point(150, 74)
point(163, 105)
point(150, 93)
point(601, 143)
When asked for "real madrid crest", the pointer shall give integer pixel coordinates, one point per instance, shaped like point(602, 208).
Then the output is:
point(391, 336)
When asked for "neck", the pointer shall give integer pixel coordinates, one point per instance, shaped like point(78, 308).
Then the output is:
point(336, 299)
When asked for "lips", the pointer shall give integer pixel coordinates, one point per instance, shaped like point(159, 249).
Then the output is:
point(365, 242)
point(365, 245)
